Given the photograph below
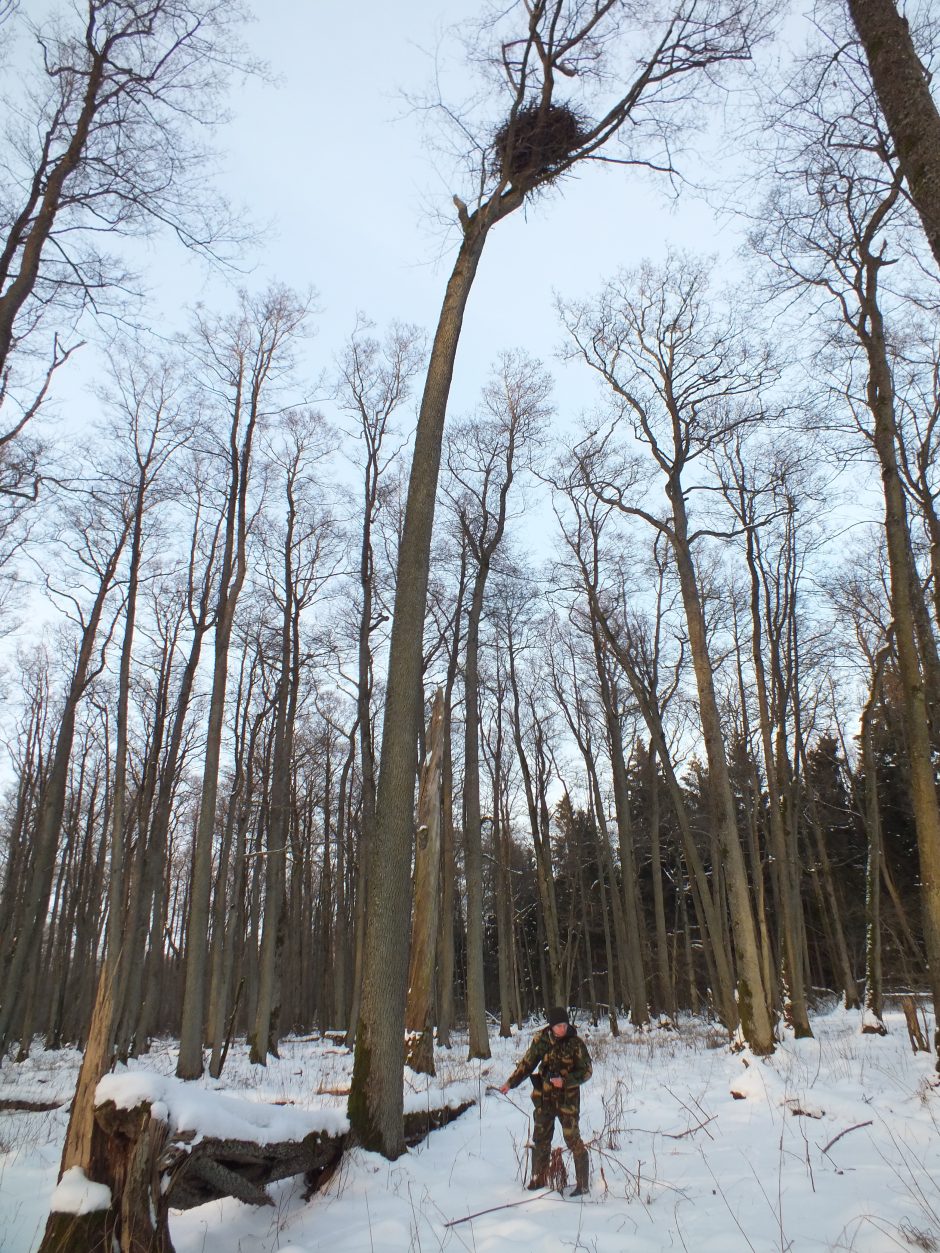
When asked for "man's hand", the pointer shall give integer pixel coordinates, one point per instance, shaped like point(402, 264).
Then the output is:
point(504, 1089)
point(558, 1083)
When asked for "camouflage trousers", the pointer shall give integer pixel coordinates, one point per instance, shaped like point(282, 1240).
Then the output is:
point(565, 1105)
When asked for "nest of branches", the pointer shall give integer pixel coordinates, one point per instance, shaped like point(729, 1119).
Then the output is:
point(532, 146)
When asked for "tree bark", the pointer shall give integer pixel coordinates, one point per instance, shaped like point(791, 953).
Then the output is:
point(665, 992)
point(880, 392)
point(420, 1003)
point(479, 1043)
point(632, 957)
point(445, 954)
point(902, 86)
point(872, 1022)
point(376, 1096)
point(753, 1006)
point(97, 1059)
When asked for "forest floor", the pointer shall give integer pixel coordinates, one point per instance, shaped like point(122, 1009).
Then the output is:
point(833, 1143)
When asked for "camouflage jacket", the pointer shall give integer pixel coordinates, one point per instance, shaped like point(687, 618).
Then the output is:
point(566, 1059)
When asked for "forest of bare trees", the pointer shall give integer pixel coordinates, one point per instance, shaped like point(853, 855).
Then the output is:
point(682, 647)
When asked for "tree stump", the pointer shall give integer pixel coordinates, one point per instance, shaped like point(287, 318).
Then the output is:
point(419, 1051)
point(151, 1169)
point(915, 1034)
point(126, 1148)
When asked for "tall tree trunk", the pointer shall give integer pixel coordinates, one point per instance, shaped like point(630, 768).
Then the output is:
point(552, 980)
point(665, 993)
point(242, 361)
point(753, 1005)
point(903, 580)
point(263, 1037)
point(501, 844)
point(225, 911)
point(633, 956)
point(872, 1022)
point(420, 1004)
point(585, 548)
point(609, 870)
point(341, 923)
point(902, 85)
point(479, 1043)
point(192, 1029)
point(608, 944)
point(168, 779)
point(786, 880)
point(840, 950)
point(445, 939)
point(376, 1097)
point(445, 953)
point(97, 1056)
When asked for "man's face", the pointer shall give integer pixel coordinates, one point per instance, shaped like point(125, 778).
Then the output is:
point(559, 1029)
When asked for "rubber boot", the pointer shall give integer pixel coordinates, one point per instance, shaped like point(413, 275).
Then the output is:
point(582, 1170)
point(539, 1178)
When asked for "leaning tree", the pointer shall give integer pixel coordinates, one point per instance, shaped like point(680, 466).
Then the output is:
point(902, 84)
point(551, 64)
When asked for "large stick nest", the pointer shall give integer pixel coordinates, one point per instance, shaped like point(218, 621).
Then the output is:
point(531, 146)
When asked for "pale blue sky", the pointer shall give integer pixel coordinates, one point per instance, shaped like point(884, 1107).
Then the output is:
point(332, 157)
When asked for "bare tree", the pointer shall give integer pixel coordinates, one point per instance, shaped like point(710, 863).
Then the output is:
point(484, 457)
point(634, 645)
point(150, 402)
point(446, 953)
point(684, 378)
point(302, 544)
point(95, 529)
point(418, 1018)
point(528, 720)
point(100, 140)
point(761, 489)
point(539, 137)
point(244, 359)
point(105, 145)
point(836, 216)
point(374, 380)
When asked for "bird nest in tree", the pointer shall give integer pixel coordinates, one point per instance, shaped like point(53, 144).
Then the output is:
point(531, 146)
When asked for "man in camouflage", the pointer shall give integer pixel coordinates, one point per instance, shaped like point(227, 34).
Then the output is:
point(563, 1065)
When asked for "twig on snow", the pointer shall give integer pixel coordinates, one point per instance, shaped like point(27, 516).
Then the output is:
point(526, 1200)
point(835, 1139)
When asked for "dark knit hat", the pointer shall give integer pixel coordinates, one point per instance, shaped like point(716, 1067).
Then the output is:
point(556, 1015)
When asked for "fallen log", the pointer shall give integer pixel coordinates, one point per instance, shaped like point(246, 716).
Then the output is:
point(153, 1150)
point(22, 1105)
point(420, 1123)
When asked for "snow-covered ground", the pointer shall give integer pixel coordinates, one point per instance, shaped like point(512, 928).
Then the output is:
point(833, 1143)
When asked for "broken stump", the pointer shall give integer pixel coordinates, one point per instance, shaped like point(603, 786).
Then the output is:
point(145, 1163)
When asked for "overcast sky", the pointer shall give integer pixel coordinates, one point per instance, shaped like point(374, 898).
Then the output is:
point(335, 160)
point(339, 161)
point(357, 204)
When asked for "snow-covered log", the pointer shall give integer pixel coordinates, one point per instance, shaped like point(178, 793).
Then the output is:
point(160, 1144)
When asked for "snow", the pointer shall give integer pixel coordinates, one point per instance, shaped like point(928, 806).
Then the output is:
point(871, 1021)
point(423, 1095)
point(187, 1107)
point(832, 1144)
point(75, 1193)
